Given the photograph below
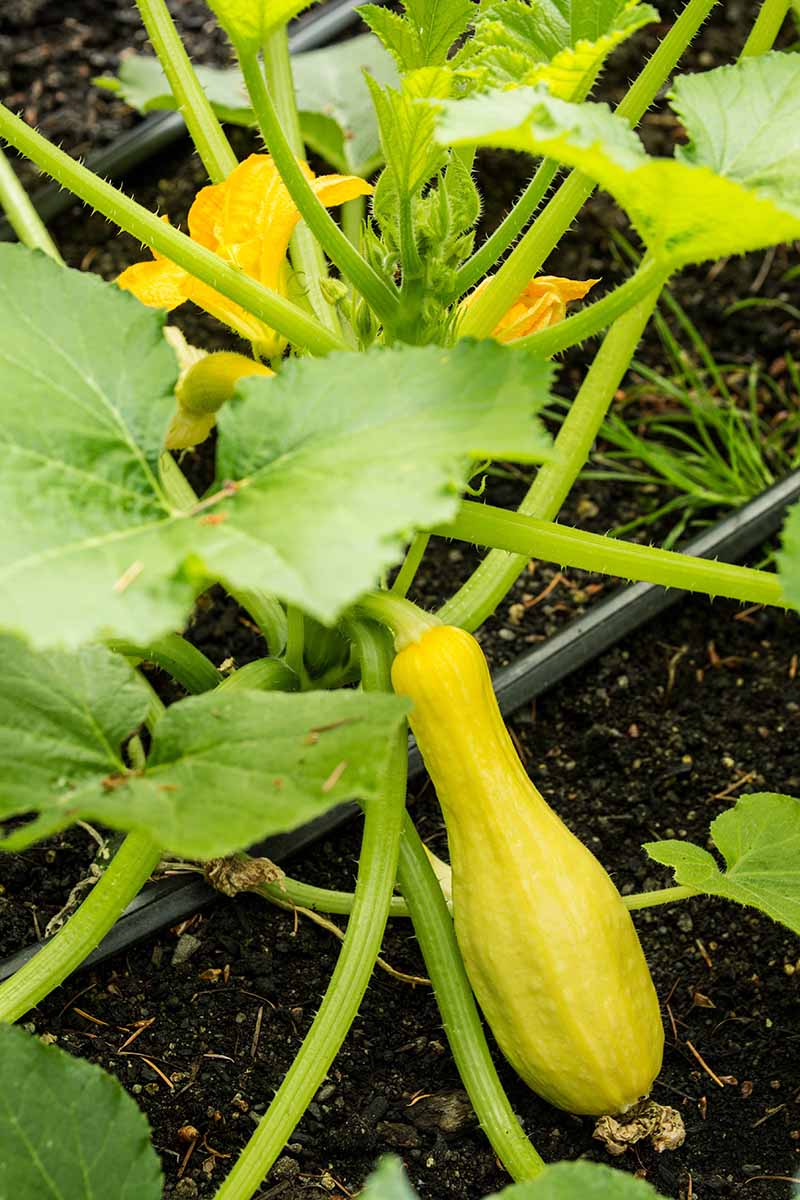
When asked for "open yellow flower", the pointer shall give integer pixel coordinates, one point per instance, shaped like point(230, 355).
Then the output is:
point(542, 303)
point(248, 220)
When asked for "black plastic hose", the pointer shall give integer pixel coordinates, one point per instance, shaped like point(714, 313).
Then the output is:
point(170, 900)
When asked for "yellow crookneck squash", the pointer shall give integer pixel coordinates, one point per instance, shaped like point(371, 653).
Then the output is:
point(549, 947)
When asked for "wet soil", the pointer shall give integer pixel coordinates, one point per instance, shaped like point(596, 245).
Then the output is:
point(652, 741)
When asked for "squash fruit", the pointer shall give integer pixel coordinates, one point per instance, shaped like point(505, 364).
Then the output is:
point(549, 947)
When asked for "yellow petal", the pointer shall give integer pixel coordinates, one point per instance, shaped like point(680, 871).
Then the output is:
point(336, 189)
point(542, 303)
point(205, 216)
point(159, 284)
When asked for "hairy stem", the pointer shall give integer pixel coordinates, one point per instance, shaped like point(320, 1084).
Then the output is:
point(130, 868)
point(382, 298)
point(204, 128)
point(766, 28)
point(485, 588)
point(307, 257)
point(271, 308)
point(528, 537)
point(23, 217)
point(515, 220)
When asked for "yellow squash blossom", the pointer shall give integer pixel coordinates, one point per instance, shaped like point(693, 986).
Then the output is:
point(247, 220)
point(542, 303)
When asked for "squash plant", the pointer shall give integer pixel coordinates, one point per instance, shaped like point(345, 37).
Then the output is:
point(348, 429)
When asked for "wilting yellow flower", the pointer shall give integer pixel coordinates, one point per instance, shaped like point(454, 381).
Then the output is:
point(247, 220)
point(542, 303)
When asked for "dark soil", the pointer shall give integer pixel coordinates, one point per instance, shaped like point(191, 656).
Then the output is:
point(651, 742)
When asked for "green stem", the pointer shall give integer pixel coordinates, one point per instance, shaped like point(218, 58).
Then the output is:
point(485, 588)
point(377, 869)
point(204, 128)
point(130, 868)
point(766, 28)
point(411, 562)
point(274, 310)
point(268, 614)
point(382, 298)
point(659, 896)
point(406, 620)
point(293, 892)
point(484, 525)
point(177, 489)
point(352, 219)
point(598, 316)
point(433, 927)
point(295, 640)
point(530, 253)
point(307, 257)
point(176, 656)
point(515, 220)
point(23, 217)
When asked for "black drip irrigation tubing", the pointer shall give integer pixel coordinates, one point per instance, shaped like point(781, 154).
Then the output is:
point(161, 130)
point(170, 900)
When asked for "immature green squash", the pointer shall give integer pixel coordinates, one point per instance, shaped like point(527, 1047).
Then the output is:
point(548, 945)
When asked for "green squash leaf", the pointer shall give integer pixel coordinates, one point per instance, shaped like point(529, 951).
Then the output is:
point(562, 44)
point(789, 557)
point(388, 1182)
point(68, 1129)
point(760, 841)
point(87, 380)
point(337, 119)
point(562, 1181)
point(63, 718)
point(335, 462)
point(715, 197)
point(423, 35)
point(580, 1181)
point(227, 769)
point(249, 22)
point(358, 451)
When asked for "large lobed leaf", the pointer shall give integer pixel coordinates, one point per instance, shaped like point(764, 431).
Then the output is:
point(68, 1130)
point(760, 841)
point(734, 187)
point(562, 1181)
point(336, 462)
point(562, 44)
point(87, 380)
point(336, 116)
point(224, 769)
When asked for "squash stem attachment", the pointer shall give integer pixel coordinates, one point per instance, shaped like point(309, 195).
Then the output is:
point(406, 620)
